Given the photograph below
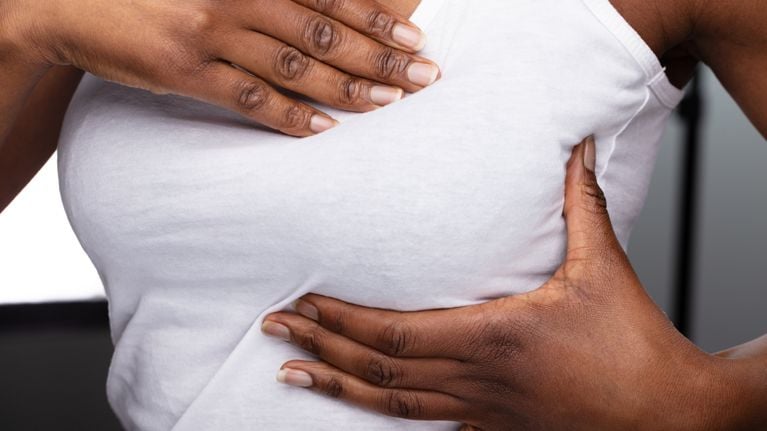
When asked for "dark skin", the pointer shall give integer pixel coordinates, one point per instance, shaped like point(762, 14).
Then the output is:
point(356, 56)
point(588, 350)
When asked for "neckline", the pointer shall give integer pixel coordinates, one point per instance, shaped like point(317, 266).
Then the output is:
point(657, 79)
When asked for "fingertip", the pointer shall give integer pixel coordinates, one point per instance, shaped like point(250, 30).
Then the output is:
point(589, 154)
point(423, 74)
point(321, 123)
point(306, 309)
point(409, 36)
point(384, 95)
point(293, 364)
point(574, 155)
point(294, 377)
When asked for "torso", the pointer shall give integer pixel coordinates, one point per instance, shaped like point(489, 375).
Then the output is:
point(200, 224)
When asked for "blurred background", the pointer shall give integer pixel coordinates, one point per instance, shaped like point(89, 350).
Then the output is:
point(698, 248)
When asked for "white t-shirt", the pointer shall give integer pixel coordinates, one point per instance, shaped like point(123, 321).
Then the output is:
point(200, 224)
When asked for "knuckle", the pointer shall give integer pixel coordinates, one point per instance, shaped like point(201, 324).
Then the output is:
point(499, 342)
point(594, 196)
point(311, 340)
point(338, 323)
point(328, 6)
point(291, 64)
point(380, 23)
point(495, 335)
point(350, 91)
point(252, 95)
point(333, 388)
point(403, 404)
point(181, 57)
point(383, 371)
point(201, 21)
point(321, 35)
point(390, 62)
point(396, 339)
point(295, 117)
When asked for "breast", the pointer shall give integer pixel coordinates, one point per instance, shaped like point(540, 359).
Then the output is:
point(383, 208)
point(199, 222)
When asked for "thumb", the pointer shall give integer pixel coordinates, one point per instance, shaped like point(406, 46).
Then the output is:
point(590, 235)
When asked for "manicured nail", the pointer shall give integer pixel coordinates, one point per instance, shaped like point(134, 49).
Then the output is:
point(590, 154)
point(307, 310)
point(292, 377)
point(422, 74)
point(410, 37)
point(383, 96)
point(321, 123)
point(275, 329)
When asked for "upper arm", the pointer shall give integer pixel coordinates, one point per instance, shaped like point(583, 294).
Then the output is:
point(731, 39)
point(35, 133)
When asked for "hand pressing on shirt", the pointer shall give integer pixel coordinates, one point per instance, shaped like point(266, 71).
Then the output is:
point(355, 55)
point(588, 350)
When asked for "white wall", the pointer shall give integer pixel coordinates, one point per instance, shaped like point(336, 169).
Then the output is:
point(40, 258)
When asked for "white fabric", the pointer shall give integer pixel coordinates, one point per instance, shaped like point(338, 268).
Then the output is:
point(200, 224)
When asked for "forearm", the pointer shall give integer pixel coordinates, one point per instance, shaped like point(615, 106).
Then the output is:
point(34, 96)
point(31, 136)
point(19, 78)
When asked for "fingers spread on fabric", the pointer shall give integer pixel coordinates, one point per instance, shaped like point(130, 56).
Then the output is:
point(252, 97)
point(287, 67)
point(342, 47)
point(404, 403)
point(358, 359)
point(374, 19)
point(432, 333)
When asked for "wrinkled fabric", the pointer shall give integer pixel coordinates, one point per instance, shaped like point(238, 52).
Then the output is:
point(200, 223)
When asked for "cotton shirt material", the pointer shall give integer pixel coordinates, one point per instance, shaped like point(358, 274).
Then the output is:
point(200, 224)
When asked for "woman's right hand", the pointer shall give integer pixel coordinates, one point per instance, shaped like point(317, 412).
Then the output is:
point(355, 55)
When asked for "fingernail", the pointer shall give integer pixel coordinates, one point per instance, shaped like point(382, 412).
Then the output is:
point(422, 74)
point(410, 37)
point(307, 310)
point(320, 123)
point(383, 96)
point(590, 154)
point(275, 329)
point(292, 377)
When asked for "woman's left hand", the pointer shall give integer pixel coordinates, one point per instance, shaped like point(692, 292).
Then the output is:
point(589, 350)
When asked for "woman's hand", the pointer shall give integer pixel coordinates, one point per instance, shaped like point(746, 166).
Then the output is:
point(589, 350)
point(355, 55)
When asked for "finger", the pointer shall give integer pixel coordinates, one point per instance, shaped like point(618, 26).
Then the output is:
point(373, 19)
point(402, 403)
point(289, 68)
point(226, 86)
point(425, 334)
point(466, 427)
point(331, 42)
point(360, 360)
point(590, 235)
